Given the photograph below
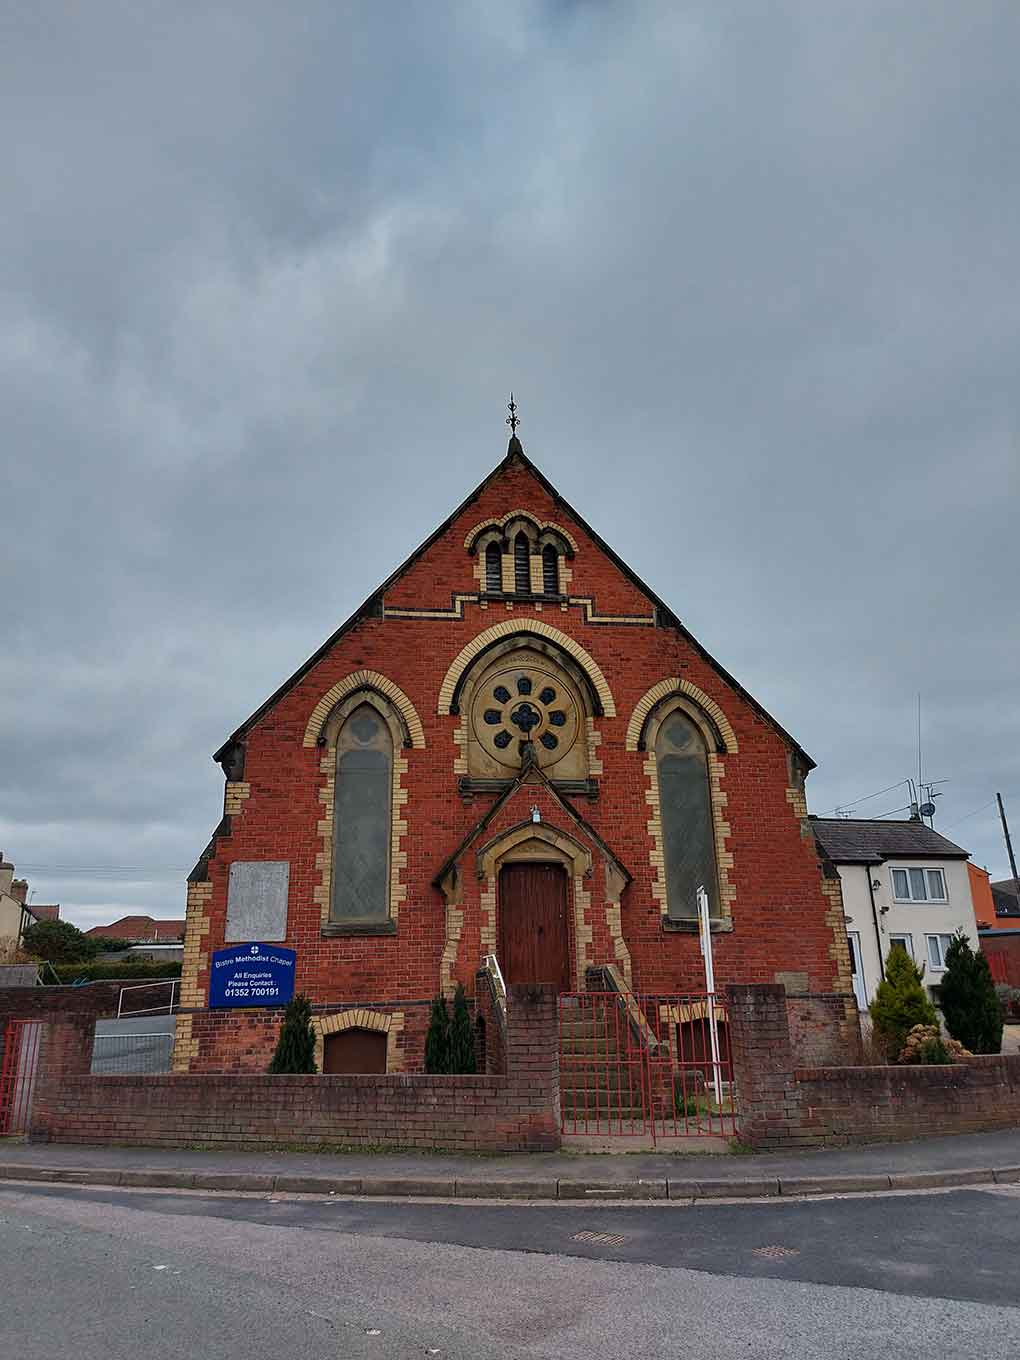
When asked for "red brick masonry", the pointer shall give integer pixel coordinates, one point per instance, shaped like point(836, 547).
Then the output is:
point(514, 1106)
point(513, 1112)
point(784, 1105)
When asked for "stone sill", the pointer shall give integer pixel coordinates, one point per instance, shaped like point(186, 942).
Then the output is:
point(529, 597)
point(337, 928)
point(722, 926)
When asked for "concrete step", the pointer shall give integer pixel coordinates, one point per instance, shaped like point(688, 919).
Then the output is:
point(599, 1049)
point(583, 1030)
point(601, 1113)
point(581, 1082)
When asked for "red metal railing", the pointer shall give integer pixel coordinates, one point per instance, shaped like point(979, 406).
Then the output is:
point(655, 1066)
point(18, 1065)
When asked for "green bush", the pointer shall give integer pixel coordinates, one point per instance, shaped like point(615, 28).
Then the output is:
point(900, 1003)
point(970, 1006)
point(462, 1035)
point(437, 1040)
point(58, 942)
point(115, 972)
point(295, 1048)
point(925, 1044)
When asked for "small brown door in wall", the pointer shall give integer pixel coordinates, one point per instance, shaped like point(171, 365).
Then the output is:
point(533, 943)
point(354, 1050)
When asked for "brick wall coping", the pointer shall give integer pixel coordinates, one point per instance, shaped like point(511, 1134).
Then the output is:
point(919, 1073)
point(460, 1081)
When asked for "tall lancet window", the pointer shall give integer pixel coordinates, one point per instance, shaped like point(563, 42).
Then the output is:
point(522, 568)
point(685, 804)
point(493, 569)
point(361, 819)
point(550, 570)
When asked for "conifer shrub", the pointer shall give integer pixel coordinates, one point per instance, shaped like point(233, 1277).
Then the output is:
point(437, 1040)
point(900, 1003)
point(462, 1035)
point(295, 1048)
point(970, 1005)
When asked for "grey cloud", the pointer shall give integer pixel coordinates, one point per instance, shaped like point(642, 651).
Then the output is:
point(750, 272)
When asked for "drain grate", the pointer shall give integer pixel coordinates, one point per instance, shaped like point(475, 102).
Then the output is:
point(600, 1239)
point(775, 1252)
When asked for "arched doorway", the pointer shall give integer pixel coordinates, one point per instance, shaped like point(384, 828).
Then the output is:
point(533, 937)
point(354, 1050)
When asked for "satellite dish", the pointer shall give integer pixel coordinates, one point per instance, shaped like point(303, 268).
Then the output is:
point(927, 809)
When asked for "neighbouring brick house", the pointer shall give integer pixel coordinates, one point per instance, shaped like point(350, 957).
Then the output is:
point(513, 748)
point(139, 930)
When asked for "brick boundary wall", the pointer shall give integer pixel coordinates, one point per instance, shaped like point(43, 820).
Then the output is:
point(517, 1112)
point(98, 999)
point(71, 1014)
point(825, 1028)
point(782, 1104)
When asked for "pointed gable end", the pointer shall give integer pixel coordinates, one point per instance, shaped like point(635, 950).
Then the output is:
point(515, 521)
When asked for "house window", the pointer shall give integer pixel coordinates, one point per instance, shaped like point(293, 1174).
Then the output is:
point(361, 831)
point(493, 569)
point(685, 807)
point(522, 569)
point(919, 885)
point(550, 570)
point(903, 942)
point(937, 946)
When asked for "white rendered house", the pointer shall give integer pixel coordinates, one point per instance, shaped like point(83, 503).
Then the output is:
point(903, 884)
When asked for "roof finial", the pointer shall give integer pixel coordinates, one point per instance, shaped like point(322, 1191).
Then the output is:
point(511, 419)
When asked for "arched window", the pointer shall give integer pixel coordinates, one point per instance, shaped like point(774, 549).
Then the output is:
point(522, 570)
point(685, 804)
point(550, 570)
point(493, 569)
point(361, 819)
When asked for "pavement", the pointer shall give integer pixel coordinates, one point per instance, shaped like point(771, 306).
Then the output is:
point(252, 1277)
point(963, 1159)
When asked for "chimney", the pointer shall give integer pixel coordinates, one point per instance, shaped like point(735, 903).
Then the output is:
point(19, 890)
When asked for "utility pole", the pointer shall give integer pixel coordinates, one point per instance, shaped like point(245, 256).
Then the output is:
point(1009, 847)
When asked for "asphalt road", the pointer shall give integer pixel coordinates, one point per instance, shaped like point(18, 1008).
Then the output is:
point(104, 1274)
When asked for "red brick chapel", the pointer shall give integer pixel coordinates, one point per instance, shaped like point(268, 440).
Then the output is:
point(513, 748)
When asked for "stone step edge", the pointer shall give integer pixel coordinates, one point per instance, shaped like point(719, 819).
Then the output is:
point(537, 1188)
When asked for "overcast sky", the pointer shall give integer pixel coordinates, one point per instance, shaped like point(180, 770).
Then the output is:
point(267, 273)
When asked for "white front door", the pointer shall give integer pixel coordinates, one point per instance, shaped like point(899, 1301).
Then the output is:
point(857, 970)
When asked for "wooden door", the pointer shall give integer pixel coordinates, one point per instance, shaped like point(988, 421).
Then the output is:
point(354, 1050)
point(533, 943)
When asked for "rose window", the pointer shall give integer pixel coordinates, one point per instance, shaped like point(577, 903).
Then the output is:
point(518, 706)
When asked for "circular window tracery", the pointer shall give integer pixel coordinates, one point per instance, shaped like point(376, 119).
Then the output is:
point(521, 705)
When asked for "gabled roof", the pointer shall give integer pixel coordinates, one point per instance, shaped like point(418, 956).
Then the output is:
point(145, 929)
point(1006, 896)
point(845, 840)
point(530, 774)
point(372, 607)
point(45, 912)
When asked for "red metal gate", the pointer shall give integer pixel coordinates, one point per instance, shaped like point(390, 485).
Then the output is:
point(655, 1066)
point(18, 1064)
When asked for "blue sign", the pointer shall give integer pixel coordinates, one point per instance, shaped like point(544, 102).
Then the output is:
point(252, 975)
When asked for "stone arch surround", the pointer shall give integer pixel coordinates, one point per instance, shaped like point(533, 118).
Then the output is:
point(390, 1023)
point(368, 680)
point(500, 524)
point(685, 689)
point(536, 628)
